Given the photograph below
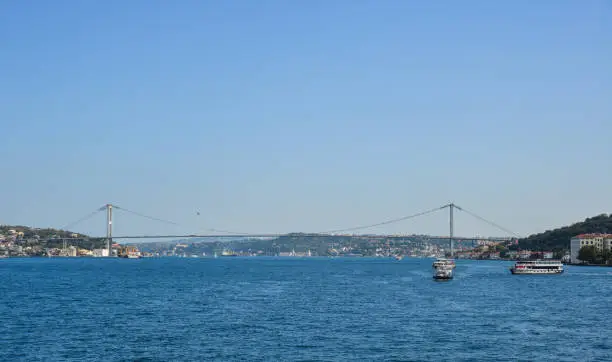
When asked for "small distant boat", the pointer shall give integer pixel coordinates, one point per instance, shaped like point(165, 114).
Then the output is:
point(398, 257)
point(227, 252)
point(537, 267)
point(443, 268)
point(129, 252)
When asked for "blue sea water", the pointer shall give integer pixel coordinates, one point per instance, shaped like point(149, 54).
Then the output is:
point(292, 309)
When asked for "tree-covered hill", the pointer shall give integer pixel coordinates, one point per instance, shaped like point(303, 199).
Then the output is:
point(47, 237)
point(29, 232)
point(559, 239)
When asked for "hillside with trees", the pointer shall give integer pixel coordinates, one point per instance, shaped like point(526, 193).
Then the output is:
point(26, 232)
point(38, 239)
point(558, 240)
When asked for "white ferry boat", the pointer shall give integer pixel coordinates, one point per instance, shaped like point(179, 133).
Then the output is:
point(537, 267)
point(444, 262)
point(443, 268)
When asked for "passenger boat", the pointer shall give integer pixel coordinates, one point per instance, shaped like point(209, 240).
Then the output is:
point(444, 262)
point(443, 268)
point(537, 267)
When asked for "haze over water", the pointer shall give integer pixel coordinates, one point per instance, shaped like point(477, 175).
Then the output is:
point(298, 309)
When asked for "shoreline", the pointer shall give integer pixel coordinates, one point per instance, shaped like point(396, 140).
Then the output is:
point(604, 265)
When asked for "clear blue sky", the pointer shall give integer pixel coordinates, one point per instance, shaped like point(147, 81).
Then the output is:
point(277, 116)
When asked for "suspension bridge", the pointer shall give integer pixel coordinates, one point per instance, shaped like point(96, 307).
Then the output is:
point(215, 233)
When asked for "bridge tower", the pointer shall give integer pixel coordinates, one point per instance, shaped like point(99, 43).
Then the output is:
point(109, 228)
point(451, 207)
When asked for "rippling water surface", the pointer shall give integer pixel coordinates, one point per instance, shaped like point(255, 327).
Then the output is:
point(288, 309)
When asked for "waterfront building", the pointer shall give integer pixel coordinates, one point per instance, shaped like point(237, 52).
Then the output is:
point(100, 252)
point(599, 241)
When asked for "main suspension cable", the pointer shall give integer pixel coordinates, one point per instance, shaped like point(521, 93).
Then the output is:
point(86, 217)
point(388, 221)
point(488, 222)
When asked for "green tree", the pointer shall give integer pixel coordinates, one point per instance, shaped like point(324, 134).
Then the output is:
point(588, 254)
point(606, 256)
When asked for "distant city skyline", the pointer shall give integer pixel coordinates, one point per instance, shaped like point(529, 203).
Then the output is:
point(284, 117)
